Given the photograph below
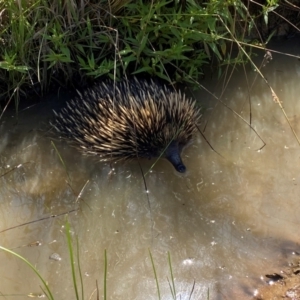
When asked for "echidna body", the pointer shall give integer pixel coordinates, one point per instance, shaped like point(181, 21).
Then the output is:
point(130, 119)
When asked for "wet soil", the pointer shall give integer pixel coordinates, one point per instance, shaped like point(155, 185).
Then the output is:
point(284, 284)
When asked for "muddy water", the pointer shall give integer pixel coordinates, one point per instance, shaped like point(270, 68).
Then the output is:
point(228, 221)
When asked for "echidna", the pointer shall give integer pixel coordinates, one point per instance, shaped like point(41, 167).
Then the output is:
point(130, 119)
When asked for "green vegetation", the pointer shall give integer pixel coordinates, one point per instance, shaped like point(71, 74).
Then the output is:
point(45, 287)
point(77, 270)
point(46, 43)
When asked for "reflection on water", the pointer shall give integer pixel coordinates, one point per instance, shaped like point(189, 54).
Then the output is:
point(228, 221)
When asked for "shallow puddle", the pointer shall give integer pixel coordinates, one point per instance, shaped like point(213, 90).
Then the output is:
point(231, 219)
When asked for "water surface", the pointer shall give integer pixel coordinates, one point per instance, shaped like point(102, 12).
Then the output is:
point(232, 218)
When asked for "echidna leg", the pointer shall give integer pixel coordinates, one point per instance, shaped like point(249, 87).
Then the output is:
point(172, 154)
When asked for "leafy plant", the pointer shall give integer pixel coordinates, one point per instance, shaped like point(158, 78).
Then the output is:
point(63, 42)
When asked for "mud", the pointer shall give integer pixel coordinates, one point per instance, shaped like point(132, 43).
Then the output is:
point(284, 284)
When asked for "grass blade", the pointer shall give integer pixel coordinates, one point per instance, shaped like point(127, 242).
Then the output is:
point(155, 275)
point(49, 295)
point(69, 239)
point(192, 291)
point(79, 269)
point(172, 277)
point(172, 292)
point(62, 161)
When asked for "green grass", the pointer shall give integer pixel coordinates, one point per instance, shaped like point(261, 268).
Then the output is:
point(76, 271)
point(72, 261)
point(49, 42)
point(172, 284)
point(45, 287)
point(155, 275)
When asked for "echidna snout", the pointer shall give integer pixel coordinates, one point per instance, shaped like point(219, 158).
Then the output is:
point(172, 154)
